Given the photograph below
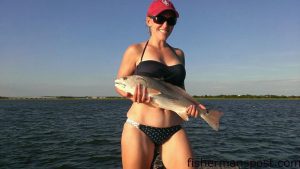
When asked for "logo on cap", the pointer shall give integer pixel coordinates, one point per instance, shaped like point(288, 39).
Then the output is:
point(165, 2)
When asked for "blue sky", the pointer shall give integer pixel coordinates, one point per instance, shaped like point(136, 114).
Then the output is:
point(74, 47)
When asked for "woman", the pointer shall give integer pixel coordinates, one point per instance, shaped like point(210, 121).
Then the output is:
point(150, 129)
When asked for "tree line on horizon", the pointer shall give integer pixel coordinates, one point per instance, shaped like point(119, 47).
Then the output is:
point(246, 96)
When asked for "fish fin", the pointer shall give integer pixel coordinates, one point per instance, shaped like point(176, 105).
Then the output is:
point(212, 118)
point(153, 92)
point(183, 115)
point(175, 100)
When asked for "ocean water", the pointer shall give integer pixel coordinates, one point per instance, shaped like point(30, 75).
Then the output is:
point(85, 134)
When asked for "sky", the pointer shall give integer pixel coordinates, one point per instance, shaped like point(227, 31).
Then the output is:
point(74, 47)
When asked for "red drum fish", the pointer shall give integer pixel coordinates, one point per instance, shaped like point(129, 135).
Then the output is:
point(167, 96)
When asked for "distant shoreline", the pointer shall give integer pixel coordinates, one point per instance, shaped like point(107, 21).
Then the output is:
point(60, 98)
point(239, 97)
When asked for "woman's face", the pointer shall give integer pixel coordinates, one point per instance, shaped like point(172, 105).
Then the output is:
point(162, 30)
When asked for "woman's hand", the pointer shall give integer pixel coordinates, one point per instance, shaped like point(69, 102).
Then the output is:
point(140, 94)
point(192, 111)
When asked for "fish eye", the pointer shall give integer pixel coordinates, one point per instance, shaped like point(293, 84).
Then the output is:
point(125, 78)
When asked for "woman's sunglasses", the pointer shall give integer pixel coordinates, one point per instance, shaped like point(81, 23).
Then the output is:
point(162, 19)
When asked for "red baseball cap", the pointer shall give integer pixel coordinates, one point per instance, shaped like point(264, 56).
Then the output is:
point(158, 6)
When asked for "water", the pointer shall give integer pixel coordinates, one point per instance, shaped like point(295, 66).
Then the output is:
point(81, 134)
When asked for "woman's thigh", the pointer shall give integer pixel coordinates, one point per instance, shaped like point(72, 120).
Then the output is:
point(176, 151)
point(137, 148)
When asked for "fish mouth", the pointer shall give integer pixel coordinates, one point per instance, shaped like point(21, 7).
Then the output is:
point(119, 84)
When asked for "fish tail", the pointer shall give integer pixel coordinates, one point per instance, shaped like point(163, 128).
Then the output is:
point(212, 118)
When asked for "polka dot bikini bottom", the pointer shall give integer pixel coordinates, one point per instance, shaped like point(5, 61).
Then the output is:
point(156, 134)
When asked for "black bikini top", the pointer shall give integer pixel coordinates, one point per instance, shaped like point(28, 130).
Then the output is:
point(174, 74)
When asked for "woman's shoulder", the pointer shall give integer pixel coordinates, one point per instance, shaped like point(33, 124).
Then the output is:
point(179, 52)
point(135, 48)
point(134, 51)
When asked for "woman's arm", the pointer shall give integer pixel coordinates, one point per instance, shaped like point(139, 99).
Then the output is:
point(192, 110)
point(127, 68)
